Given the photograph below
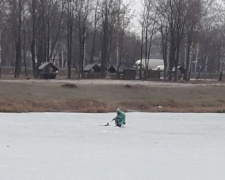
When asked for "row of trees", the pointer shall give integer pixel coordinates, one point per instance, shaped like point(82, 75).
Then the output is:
point(73, 33)
point(191, 34)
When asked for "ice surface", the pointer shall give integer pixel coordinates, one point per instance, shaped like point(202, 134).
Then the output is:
point(72, 146)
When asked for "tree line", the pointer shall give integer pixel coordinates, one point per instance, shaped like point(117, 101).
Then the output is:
point(73, 33)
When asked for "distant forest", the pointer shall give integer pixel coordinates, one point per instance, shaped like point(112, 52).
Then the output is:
point(73, 33)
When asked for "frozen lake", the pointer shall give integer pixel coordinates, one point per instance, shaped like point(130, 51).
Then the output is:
point(72, 146)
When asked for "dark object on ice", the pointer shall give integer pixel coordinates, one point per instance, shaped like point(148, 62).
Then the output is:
point(69, 85)
point(107, 124)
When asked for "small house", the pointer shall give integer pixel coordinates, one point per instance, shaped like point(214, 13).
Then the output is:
point(116, 71)
point(91, 70)
point(48, 70)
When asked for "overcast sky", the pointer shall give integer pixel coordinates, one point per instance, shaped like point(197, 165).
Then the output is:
point(136, 7)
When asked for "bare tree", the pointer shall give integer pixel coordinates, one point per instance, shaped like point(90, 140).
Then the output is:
point(204, 45)
point(34, 18)
point(192, 28)
point(149, 28)
point(83, 11)
point(95, 28)
point(175, 13)
point(70, 24)
point(16, 7)
point(108, 21)
point(2, 19)
point(219, 8)
point(46, 18)
point(122, 24)
point(55, 18)
point(164, 31)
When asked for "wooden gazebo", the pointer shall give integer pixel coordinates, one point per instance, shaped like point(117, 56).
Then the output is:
point(48, 70)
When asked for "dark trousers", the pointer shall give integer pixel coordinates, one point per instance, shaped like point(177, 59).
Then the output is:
point(117, 122)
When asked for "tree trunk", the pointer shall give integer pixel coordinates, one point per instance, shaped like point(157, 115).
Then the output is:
point(187, 72)
point(18, 40)
point(69, 39)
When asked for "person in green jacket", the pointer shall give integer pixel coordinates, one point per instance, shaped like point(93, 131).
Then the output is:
point(120, 119)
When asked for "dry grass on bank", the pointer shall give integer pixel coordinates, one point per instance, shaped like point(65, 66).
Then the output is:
point(42, 96)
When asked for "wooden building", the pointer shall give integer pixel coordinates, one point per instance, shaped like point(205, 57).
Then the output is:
point(116, 71)
point(48, 70)
point(92, 71)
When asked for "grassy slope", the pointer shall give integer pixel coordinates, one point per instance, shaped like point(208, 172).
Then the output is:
point(28, 96)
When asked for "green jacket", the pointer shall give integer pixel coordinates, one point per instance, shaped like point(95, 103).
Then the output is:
point(122, 116)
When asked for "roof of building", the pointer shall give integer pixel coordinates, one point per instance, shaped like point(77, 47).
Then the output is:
point(48, 64)
point(95, 66)
point(114, 68)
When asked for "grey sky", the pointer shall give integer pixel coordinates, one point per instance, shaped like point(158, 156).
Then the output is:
point(136, 6)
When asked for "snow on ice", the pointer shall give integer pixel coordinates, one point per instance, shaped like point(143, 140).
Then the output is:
point(68, 146)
